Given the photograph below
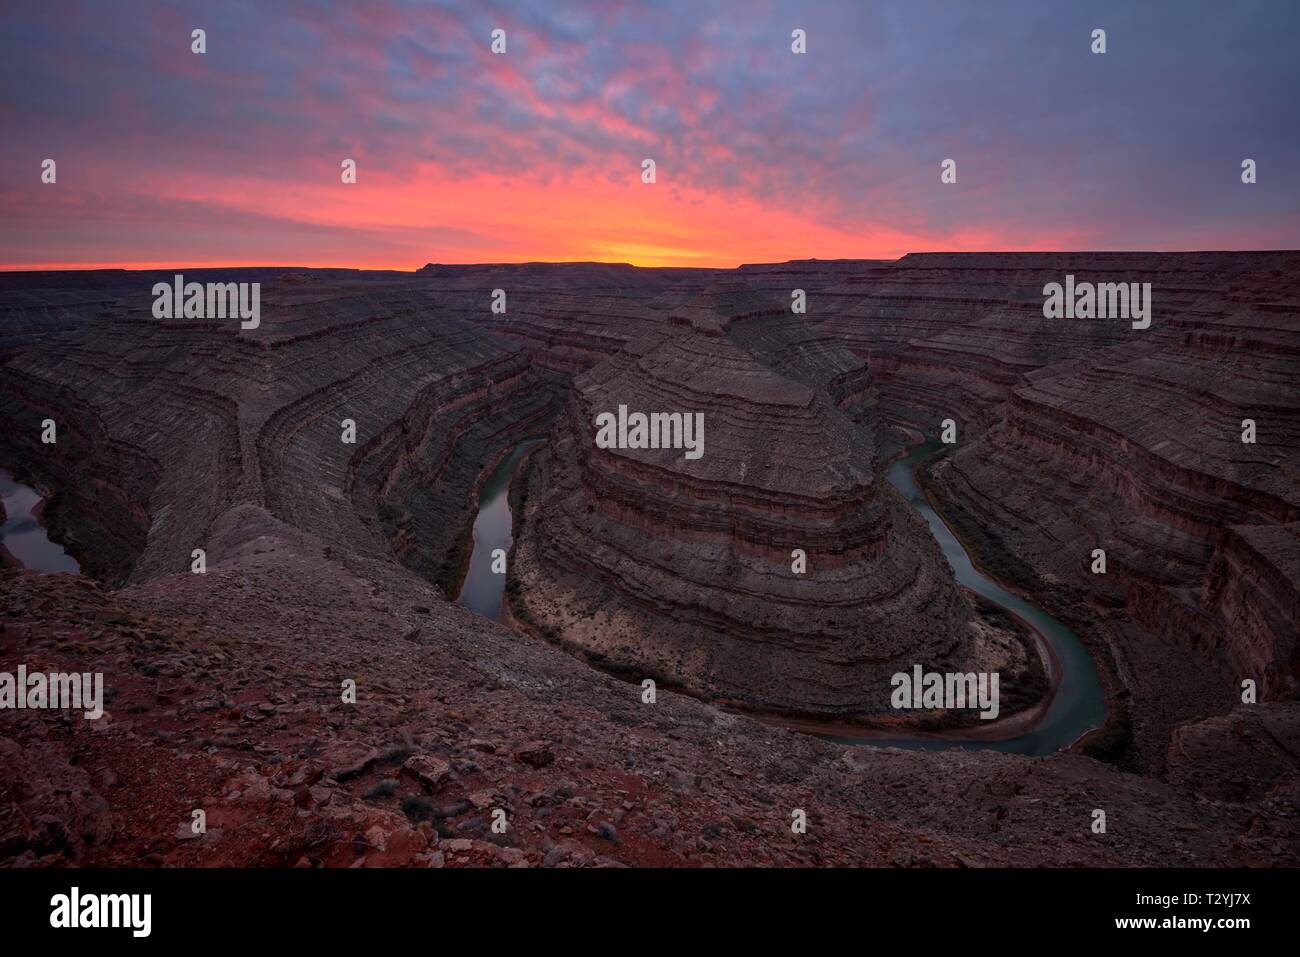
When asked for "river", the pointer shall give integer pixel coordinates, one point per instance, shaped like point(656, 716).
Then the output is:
point(23, 536)
point(484, 589)
point(1079, 704)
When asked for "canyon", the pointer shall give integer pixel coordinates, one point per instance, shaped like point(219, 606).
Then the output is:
point(329, 561)
point(680, 567)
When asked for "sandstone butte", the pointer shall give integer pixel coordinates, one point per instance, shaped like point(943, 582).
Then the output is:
point(329, 561)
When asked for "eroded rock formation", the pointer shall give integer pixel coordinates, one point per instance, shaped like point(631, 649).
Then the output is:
point(329, 561)
point(1085, 434)
point(165, 425)
point(659, 563)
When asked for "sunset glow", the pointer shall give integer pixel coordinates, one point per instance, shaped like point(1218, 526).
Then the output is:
point(233, 156)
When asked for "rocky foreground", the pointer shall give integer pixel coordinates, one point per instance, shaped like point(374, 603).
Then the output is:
point(225, 696)
point(329, 561)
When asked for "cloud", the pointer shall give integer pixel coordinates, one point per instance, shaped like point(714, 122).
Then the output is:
point(761, 154)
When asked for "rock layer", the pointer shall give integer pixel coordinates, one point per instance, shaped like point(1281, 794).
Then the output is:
point(328, 561)
point(163, 426)
point(680, 568)
point(1084, 434)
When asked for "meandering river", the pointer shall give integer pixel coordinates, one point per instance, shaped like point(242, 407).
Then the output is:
point(22, 535)
point(1077, 707)
point(484, 589)
point(1079, 704)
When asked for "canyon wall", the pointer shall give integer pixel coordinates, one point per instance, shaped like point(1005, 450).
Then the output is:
point(1077, 434)
point(655, 562)
point(163, 425)
point(1072, 435)
point(327, 560)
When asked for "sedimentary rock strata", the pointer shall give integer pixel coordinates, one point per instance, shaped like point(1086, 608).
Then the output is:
point(163, 425)
point(1075, 435)
point(328, 560)
point(681, 567)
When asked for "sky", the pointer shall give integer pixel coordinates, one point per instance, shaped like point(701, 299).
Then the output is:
point(165, 157)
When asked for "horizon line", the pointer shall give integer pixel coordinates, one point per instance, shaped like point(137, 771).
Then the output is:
point(18, 268)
